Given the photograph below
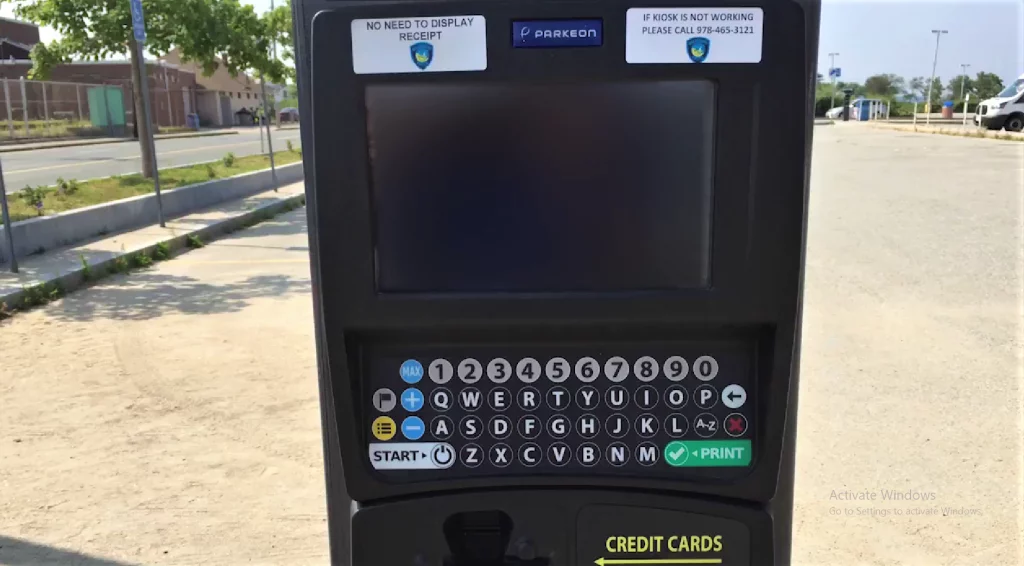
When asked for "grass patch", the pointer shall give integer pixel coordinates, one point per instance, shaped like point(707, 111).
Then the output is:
point(162, 251)
point(140, 260)
point(86, 269)
point(54, 129)
point(98, 191)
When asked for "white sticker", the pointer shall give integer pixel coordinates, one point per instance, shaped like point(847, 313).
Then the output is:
point(412, 455)
point(694, 35)
point(419, 45)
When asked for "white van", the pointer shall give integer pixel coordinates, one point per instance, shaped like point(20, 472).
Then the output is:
point(1005, 110)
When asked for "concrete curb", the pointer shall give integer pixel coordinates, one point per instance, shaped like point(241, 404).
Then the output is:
point(75, 278)
point(956, 132)
point(28, 146)
point(73, 226)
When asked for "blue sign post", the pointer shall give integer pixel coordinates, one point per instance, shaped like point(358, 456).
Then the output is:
point(139, 31)
point(835, 72)
point(138, 22)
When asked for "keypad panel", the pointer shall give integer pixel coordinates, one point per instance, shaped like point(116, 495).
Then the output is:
point(666, 409)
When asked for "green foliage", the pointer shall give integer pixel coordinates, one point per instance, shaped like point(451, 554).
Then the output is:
point(141, 259)
point(957, 83)
point(162, 251)
point(229, 159)
point(987, 85)
point(937, 90)
point(65, 188)
point(210, 171)
point(823, 105)
point(211, 33)
point(53, 292)
point(886, 86)
point(289, 145)
point(119, 265)
point(44, 58)
point(32, 296)
point(194, 242)
point(97, 191)
point(86, 270)
point(33, 197)
point(38, 295)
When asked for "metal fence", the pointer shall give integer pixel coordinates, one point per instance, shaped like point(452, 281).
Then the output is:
point(47, 109)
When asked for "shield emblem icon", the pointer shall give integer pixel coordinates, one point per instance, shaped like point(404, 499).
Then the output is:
point(422, 54)
point(697, 48)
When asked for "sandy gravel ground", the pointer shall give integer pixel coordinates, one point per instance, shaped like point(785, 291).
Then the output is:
point(168, 417)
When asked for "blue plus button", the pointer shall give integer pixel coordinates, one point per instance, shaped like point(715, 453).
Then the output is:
point(411, 371)
point(412, 400)
point(413, 428)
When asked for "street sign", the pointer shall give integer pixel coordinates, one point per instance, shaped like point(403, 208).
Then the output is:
point(138, 21)
point(835, 72)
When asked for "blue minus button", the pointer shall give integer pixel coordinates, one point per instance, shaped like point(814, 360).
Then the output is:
point(413, 428)
point(557, 33)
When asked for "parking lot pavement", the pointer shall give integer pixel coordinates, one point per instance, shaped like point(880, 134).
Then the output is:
point(910, 442)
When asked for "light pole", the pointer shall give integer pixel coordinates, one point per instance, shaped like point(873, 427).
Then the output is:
point(963, 82)
point(832, 74)
point(935, 61)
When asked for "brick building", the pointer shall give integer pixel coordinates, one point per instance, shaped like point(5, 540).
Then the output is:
point(17, 38)
point(172, 89)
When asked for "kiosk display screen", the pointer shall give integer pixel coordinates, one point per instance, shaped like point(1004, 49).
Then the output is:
point(582, 187)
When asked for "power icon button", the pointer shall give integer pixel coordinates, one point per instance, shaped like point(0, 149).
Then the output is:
point(443, 456)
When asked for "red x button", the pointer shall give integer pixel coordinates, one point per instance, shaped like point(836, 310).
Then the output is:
point(735, 424)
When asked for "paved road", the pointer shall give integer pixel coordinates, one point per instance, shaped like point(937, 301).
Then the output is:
point(170, 416)
point(44, 166)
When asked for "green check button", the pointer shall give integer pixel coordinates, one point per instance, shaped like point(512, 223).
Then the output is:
point(707, 453)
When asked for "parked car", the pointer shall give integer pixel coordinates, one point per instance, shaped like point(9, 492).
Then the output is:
point(1005, 110)
point(837, 112)
point(288, 115)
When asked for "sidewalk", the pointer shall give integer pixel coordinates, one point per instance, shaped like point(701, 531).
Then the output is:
point(6, 148)
point(63, 266)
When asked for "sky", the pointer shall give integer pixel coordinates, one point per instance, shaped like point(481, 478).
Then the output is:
point(888, 36)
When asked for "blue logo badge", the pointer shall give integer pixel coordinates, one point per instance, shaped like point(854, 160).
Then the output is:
point(557, 33)
point(411, 371)
point(697, 48)
point(412, 400)
point(412, 428)
point(422, 54)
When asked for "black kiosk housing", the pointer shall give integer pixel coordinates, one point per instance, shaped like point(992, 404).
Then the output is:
point(557, 298)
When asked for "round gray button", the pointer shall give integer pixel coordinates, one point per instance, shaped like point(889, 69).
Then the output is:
point(705, 368)
point(733, 396)
point(440, 371)
point(384, 400)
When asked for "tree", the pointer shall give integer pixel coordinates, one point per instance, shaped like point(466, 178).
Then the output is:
point(987, 85)
point(887, 85)
point(279, 22)
point(917, 88)
point(44, 57)
point(98, 29)
point(857, 88)
point(936, 92)
point(959, 86)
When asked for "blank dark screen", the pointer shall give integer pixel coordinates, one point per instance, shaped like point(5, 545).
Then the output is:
point(541, 188)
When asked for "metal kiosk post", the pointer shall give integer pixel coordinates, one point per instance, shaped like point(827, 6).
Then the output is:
point(557, 257)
